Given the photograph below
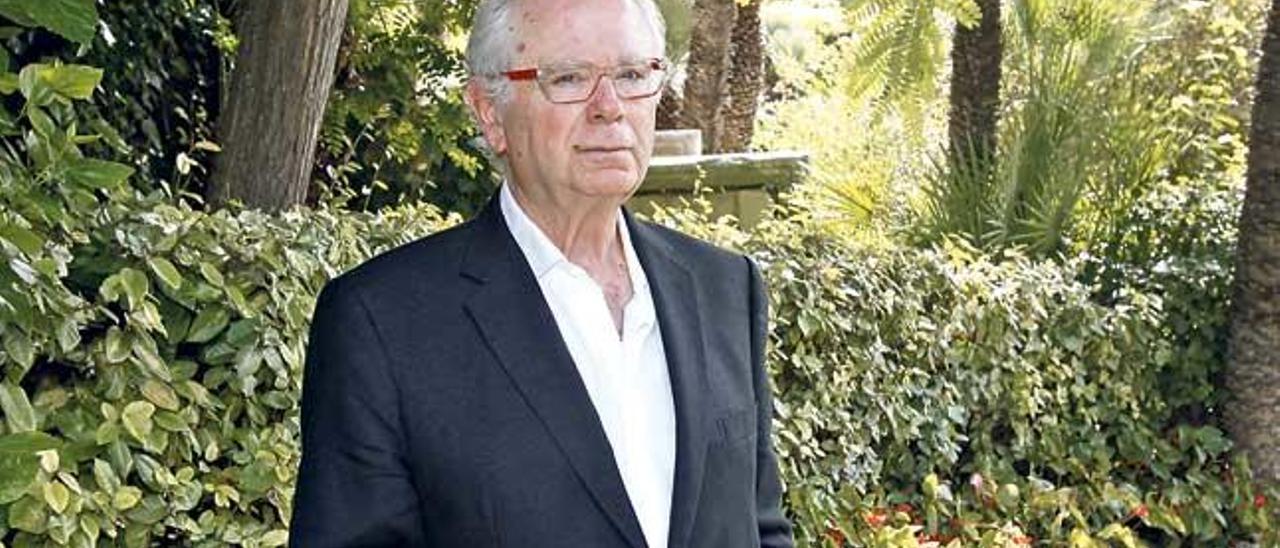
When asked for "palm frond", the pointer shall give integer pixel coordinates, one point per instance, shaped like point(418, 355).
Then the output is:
point(898, 51)
point(1069, 114)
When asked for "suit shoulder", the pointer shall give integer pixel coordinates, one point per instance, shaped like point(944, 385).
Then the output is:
point(699, 252)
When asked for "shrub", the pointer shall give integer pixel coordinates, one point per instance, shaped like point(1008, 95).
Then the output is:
point(396, 128)
point(164, 63)
point(905, 377)
point(865, 155)
point(175, 413)
point(150, 352)
point(169, 410)
point(151, 357)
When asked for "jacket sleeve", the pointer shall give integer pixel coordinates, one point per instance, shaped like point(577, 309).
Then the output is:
point(353, 488)
point(775, 529)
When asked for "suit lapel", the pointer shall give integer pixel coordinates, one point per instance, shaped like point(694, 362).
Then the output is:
point(514, 319)
point(675, 296)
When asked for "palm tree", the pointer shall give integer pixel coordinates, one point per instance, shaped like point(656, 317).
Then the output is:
point(1055, 147)
point(976, 55)
point(708, 69)
point(679, 18)
point(746, 79)
point(1253, 365)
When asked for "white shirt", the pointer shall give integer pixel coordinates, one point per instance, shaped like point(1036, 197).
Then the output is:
point(625, 377)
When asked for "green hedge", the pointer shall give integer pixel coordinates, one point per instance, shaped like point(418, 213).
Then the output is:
point(165, 405)
point(992, 399)
point(151, 358)
point(175, 413)
point(150, 353)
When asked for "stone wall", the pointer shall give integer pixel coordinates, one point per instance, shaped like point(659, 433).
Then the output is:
point(741, 185)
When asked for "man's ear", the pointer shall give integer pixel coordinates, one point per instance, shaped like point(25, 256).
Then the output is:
point(485, 111)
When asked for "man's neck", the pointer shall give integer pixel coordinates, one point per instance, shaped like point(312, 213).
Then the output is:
point(587, 234)
point(589, 238)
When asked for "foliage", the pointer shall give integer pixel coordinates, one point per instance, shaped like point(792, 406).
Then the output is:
point(74, 20)
point(174, 413)
point(1103, 109)
point(48, 192)
point(171, 400)
point(898, 50)
point(851, 174)
point(167, 66)
point(1170, 227)
point(864, 162)
point(1177, 235)
point(150, 352)
point(1074, 128)
point(164, 64)
point(1198, 72)
point(1201, 62)
point(396, 127)
point(678, 16)
point(981, 511)
point(1179, 240)
point(893, 365)
point(803, 43)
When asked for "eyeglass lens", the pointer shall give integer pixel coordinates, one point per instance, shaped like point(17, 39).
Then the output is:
point(574, 83)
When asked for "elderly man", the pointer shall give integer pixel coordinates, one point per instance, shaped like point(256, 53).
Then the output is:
point(553, 372)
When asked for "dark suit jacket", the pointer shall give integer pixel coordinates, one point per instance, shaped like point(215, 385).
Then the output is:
point(441, 408)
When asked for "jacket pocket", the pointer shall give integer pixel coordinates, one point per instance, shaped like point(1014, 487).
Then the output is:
point(735, 426)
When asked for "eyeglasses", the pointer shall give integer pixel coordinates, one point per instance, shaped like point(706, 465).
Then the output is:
point(576, 82)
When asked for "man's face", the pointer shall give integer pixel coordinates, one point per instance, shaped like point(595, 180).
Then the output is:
point(598, 148)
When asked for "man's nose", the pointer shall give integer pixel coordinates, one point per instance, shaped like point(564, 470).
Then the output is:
point(604, 104)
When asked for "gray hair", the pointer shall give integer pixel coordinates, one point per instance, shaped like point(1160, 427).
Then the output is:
point(491, 47)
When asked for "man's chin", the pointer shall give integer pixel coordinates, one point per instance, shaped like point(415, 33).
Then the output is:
point(618, 183)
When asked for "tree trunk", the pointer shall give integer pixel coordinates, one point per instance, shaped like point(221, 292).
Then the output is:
point(668, 116)
point(284, 71)
point(746, 79)
point(1252, 411)
point(975, 89)
point(704, 88)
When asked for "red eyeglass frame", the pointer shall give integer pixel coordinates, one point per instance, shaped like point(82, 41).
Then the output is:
point(656, 63)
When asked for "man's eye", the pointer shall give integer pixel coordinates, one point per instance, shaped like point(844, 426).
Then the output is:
point(631, 74)
point(568, 78)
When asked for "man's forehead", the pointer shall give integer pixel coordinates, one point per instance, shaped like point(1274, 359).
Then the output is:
point(546, 12)
point(577, 26)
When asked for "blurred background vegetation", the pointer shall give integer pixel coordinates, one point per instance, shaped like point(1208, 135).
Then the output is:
point(1003, 296)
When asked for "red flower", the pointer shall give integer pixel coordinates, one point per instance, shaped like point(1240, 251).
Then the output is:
point(834, 534)
point(1141, 512)
point(876, 519)
point(925, 538)
point(1259, 500)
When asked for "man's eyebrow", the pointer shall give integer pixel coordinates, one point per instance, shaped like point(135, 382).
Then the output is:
point(565, 63)
point(625, 60)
